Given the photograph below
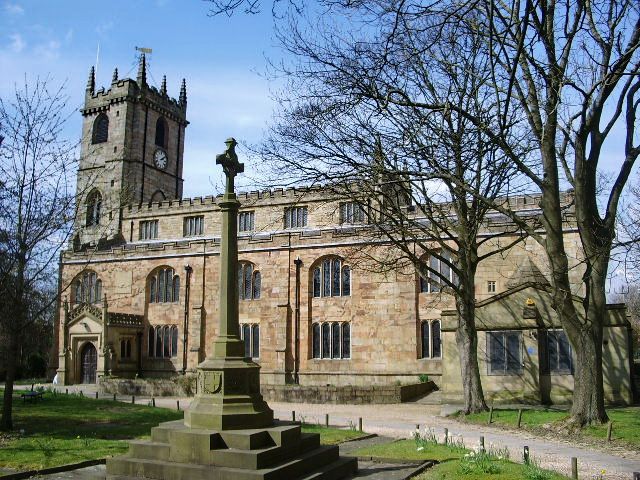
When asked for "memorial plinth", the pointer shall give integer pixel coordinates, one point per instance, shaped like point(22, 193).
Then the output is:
point(228, 432)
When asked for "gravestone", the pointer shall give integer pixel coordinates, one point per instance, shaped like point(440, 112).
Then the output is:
point(228, 432)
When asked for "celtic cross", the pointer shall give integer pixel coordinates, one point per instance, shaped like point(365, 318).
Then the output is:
point(230, 163)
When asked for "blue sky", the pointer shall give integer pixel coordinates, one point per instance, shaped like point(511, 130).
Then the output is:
point(221, 58)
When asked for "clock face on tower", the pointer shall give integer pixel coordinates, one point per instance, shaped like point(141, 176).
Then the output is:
point(160, 158)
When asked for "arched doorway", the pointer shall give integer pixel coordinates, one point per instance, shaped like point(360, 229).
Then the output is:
point(89, 363)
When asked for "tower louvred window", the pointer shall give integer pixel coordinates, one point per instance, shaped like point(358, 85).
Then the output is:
point(100, 132)
point(161, 133)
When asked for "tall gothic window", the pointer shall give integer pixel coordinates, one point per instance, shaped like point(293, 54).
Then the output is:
point(249, 282)
point(250, 334)
point(94, 205)
point(87, 288)
point(431, 345)
point(161, 133)
point(164, 286)
point(331, 340)
point(505, 356)
point(125, 348)
point(439, 270)
point(100, 132)
point(331, 278)
point(163, 341)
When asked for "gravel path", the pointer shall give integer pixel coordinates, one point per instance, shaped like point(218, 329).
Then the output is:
point(399, 421)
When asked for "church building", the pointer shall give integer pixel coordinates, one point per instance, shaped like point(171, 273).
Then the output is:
point(139, 281)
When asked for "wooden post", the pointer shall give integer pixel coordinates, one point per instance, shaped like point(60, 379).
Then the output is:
point(525, 454)
point(417, 427)
point(609, 427)
point(133, 399)
point(636, 475)
point(490, 415)
point(114, 397)
point(360, 424)
point(178, 405)
point(96, 395)
point(326, 419)
point(66, 391)
point(446, 436)
point(574, 468)
point(293, 415)
point(482, 443)
point(519, 417)
point(81, 394)
point(153, 401)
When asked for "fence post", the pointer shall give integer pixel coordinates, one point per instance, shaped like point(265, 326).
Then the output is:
point(66, 391)
point(446, 436)
point(153, 401)
point(293, 415)
point(326, 420)
point(178, 405)
point(133, 399)
point(96, 395)
point(609, 427)
point(525, 454)
point(574, 467)
point(519, 417)
point(360, 424)
point(482, 443)
point(636, 475)
point(490, 415)
point(114, 397)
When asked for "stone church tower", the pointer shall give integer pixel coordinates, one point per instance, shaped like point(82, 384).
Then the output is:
point(132, 153)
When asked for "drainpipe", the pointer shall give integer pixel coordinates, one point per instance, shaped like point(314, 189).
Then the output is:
point(185, 325)
point(296, 347)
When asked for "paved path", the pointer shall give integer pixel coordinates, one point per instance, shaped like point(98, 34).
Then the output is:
point(399, 421)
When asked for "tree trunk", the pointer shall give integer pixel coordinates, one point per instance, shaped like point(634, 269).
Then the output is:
point(6, 423)
point(467, 336)
point(588, 395)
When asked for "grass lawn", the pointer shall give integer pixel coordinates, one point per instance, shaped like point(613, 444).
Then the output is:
point(62, 429)
point(331, 436)
point(454, 463)
point(626, 423)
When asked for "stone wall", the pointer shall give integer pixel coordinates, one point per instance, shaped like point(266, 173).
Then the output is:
point(183, 386)
point(345, 394)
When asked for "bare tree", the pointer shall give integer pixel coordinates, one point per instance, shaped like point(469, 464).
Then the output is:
point(403, 166)
point(37, 167)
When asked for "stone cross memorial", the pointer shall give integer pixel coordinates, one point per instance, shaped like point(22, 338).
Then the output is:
point(228, 432)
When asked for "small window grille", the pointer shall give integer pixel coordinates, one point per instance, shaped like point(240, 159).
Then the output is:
point(246, 221)
point(148, 229)
point(351, 212)
point(295, 217)
point(193, 226)
point(491, 286)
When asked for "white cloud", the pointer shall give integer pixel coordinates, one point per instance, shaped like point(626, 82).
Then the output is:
point(104, 28)
point(49, 50)
point(13, 8)
point(17, 43)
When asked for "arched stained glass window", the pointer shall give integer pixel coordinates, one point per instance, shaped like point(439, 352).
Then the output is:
point(163, 341)
point(164, 286)
point(100, 132)
point(87, 288)
point(331, 279)
point(249, 282)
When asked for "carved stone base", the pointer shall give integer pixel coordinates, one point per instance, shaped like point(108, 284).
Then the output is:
point(228, 396)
